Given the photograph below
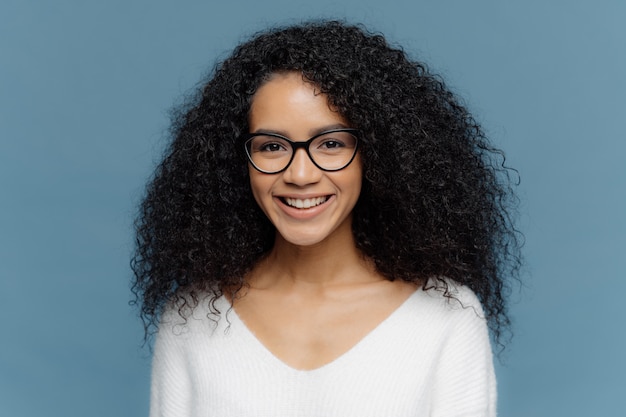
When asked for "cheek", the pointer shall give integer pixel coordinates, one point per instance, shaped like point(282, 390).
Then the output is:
point(356, 175)
point(260, 187)
point(357, 187)
point(254, 184)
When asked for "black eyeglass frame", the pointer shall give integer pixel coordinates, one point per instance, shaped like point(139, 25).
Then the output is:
point(304, 145)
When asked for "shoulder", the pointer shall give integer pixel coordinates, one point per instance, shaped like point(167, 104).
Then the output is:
point(453, 292)
point(464, 354)
point(449, 297)
point(438, 314)
point(445, 310)
point(185, 316)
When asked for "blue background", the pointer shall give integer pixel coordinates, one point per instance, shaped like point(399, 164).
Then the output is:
point(85, 88)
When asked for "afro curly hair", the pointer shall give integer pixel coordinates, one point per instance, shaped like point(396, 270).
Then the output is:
point(436, 202)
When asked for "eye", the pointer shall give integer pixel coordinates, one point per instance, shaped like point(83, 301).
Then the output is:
point(269, 144)
point(332, 144)
point(271, 147)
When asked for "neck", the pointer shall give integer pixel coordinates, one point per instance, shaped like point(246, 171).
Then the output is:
point(330, 262)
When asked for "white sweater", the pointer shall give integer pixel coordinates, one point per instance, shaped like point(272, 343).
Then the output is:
point(431, 357)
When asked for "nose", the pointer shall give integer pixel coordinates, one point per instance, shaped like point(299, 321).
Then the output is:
point(302, 171)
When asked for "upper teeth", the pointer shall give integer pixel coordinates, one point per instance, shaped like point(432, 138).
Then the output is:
point(306, 203)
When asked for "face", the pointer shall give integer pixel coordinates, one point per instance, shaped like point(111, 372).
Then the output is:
point(306, 205)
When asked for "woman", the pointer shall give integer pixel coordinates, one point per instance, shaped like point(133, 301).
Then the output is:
point(327, 235)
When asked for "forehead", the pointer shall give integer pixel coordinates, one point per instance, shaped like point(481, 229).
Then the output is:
point(286, 103)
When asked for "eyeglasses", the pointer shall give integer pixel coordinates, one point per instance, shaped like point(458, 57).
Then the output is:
point(332, 150)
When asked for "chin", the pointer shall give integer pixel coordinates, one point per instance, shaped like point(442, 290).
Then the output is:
point(303, 239)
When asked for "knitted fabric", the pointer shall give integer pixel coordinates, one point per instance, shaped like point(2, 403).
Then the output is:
point(430, 357)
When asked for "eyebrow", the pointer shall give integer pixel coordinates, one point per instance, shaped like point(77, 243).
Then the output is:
point(312, 132)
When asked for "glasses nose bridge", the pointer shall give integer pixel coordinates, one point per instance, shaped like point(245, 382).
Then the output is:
point(301, 145)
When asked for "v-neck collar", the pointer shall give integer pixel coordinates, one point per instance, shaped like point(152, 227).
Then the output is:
point(237, 324)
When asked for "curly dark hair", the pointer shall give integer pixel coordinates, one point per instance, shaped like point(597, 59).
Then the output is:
point(436, 199)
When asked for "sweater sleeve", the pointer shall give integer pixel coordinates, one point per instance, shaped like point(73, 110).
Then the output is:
point(171, 387)
point(465, 384)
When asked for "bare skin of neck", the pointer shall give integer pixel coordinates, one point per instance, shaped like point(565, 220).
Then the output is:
point(310, 305)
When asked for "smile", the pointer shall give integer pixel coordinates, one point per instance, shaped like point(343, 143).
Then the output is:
point(304, 203)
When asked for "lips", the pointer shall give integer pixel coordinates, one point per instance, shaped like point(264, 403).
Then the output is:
point(304, 203)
